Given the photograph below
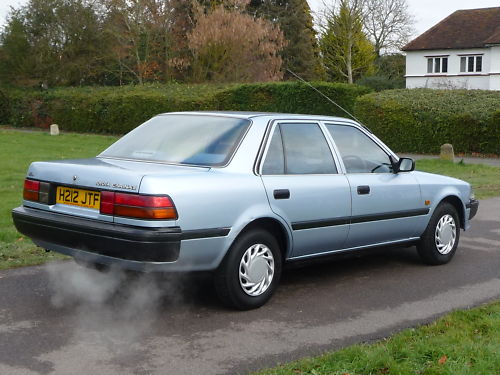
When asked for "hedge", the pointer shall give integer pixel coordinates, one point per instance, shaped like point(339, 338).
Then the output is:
point(421, 120)
point(116, 110)
point(418, 120)
point(291, 97)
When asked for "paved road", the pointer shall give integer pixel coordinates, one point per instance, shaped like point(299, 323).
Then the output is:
point(64, 320)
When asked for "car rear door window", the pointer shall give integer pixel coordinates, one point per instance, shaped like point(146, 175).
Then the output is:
point(275, 160)
point(359, 153)
point(299, 148)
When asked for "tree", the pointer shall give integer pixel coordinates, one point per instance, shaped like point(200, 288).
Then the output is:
point(388, 23)
point(301, 54)
point(230, 46)
point(392, 66)
point(390, 73)
point(59, 40)
point(347, 52)
point(139, 30)
point(182, 23)
point(15, 57)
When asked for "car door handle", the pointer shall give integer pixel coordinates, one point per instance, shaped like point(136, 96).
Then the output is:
point(363, 189)
point(281, 194)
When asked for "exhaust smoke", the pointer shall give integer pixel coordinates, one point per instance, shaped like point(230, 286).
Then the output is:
point(115, 305)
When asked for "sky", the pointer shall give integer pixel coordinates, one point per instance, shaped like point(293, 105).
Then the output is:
point(426, 12)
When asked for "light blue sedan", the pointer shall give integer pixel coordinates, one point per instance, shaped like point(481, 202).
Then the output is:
point(240, 194)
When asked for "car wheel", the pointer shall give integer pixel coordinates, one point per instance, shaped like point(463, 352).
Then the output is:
point(439, 242)
point(250, 272)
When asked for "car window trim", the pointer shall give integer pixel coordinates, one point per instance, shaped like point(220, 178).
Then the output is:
point(267, 142)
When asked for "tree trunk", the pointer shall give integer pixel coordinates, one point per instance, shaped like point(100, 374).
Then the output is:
point(349, 57)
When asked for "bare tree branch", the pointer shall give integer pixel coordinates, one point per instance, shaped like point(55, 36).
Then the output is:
point(388, 23)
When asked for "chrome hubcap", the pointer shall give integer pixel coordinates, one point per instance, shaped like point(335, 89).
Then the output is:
point(446, 234)
point(256, 270)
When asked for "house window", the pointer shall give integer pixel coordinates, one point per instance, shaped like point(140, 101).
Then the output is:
point(471, 64)
point(437, 65)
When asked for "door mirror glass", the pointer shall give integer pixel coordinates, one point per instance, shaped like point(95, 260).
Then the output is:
point(406, 165)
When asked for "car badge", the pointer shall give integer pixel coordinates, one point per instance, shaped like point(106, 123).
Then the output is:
point(75, 177)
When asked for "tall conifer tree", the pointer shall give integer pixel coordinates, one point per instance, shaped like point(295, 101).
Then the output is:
point(347, 52)
point(301, 55)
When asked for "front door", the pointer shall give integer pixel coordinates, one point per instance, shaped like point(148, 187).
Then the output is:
point(304, 187)
point(386, 207)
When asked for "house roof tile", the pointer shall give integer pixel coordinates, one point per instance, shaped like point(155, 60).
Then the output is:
point(472, 28)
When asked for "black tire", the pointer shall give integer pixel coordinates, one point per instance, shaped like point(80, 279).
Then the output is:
point(427, 247)
point(227, 277)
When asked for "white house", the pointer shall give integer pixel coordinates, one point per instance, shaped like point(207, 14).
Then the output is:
point(460, 52)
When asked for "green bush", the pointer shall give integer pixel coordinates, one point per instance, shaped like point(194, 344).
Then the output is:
point(421, 120)
point(116, 110)
point(112, 110)
point(291, 97)
point(381, 82)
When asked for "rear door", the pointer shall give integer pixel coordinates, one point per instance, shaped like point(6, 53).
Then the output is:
point(386, 207)
point(300, 175)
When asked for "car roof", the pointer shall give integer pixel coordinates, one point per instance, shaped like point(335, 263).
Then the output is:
point(249, 115)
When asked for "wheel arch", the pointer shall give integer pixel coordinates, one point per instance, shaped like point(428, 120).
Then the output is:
point(456, 202)
point(274, 227)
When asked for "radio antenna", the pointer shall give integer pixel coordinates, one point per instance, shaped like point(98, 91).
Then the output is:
point(324, 96)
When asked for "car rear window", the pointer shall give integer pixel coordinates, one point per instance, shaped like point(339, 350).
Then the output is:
point(182, 139)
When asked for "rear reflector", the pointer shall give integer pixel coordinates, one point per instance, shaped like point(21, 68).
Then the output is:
point(159, 207)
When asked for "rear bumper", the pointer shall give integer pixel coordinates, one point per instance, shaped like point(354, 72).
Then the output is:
point(124, 246)
point(98, 238)
point(473, 205)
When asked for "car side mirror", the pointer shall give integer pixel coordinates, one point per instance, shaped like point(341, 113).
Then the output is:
point(403, 165)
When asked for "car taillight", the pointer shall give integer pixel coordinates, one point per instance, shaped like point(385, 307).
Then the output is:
point(137, 206)
point(31, 189)
point(36, 191)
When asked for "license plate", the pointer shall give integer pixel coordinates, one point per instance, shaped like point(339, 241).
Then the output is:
point(78, 197)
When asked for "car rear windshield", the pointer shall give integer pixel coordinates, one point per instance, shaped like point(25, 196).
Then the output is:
point(182, 139)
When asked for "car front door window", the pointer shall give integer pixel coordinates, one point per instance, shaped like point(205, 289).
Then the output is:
point(359, 153)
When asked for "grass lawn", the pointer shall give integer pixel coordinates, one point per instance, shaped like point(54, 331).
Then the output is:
point(19, 148)
point(463, 342)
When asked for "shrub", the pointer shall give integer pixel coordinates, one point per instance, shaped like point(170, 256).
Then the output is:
point(290, 97)
point(117, 110)
point(113, 110)
point(421, 120)
point(381, 82)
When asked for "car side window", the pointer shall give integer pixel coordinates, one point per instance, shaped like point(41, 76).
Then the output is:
point(275, 160)
point(359, 153)
point(304, 149)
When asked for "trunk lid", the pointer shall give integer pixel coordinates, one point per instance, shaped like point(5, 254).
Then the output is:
point(104, 174)
point(97, 174)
